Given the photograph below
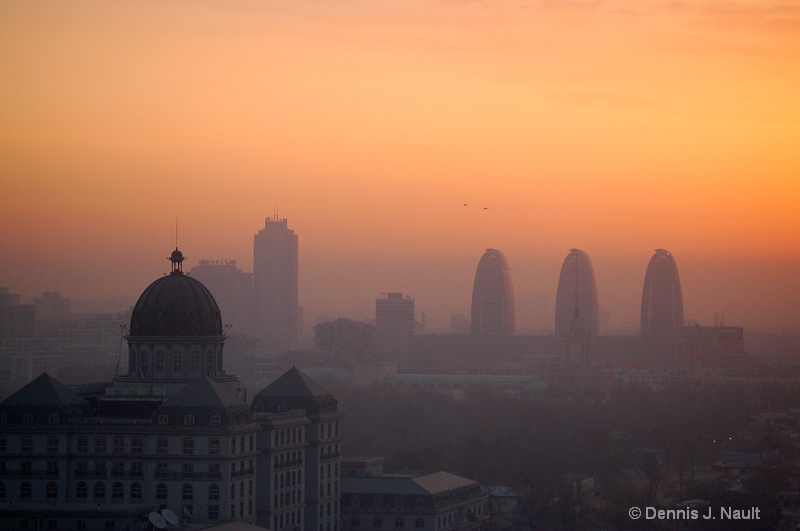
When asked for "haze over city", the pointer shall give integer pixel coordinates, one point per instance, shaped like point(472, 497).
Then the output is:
point(401, 140)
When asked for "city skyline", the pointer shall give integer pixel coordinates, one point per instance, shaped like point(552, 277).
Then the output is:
point(401, 140)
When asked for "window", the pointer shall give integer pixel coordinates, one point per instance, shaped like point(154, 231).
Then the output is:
point(188, 492)
point(52, 525)
point(161, 491)
point(51, 491)
point(2, 491)
point(25, 490)
point(161, 470)
point(233, 445)
point(419, 523)
point(52, 469)
point(213, 492)
point(117, 492)
point(145, 357)
point(250, 487)
point(27, 418)
point(118, 445)
point(399, 522)
point(162, 445)
point(52, 418)
point(100, 445)
point(159, 361)
point(188, 470)
point(136, 491)
point(215, 420)
point(213, 471)
point(137, 445)
point(195, 361)
point(82, 445)
point(137, 469)
point(213, 512)
point(241, 489)
point(27, 444)
point(188, 446)
point(99, 490)
point(233, 491)
point(251, 442)
point(163, 419)
point(3, 445)
point(81, 491)
point(177, 362)
point(377, 522)
point(52, 444)
point(80, 525)
point(26, 467)
point(188, 420)
point(213, 446)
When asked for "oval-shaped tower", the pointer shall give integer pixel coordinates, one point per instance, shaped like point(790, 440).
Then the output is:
point(662, 304)
point(492, 297)
point(576, 298)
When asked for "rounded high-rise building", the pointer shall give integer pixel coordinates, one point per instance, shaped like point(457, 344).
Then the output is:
point(576, 298)
point(662, 303)
point(492, 297)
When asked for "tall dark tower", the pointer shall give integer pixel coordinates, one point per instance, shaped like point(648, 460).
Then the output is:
point(492, 297)
point(577, 312)
point(662, 304)
point(275, 286)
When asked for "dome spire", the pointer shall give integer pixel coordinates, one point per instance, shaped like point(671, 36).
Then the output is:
point(177, 259)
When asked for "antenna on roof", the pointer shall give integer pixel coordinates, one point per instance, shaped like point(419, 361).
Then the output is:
point(176, 232)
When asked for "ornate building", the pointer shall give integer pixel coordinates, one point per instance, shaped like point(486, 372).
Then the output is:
point(175, 432)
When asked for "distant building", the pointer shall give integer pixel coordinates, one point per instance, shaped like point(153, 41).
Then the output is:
point(440, 501)
point(278, 316)
point(577, 311)
point(394, 323)
point(662, 305)
point(345, 337)
point(710, 345)
point(17, 320)
point(51, 309)
point(492, 297)
point(233, 290)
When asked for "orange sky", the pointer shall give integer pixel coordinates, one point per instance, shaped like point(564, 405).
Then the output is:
point(614, 127)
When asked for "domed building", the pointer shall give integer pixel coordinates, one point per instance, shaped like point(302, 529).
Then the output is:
point(174, 432)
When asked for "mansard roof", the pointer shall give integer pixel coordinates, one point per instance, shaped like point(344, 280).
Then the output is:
point(45, 391)
point(203, 393)
point(294, 390)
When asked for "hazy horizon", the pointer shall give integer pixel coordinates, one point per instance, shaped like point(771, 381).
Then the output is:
point(611, 127)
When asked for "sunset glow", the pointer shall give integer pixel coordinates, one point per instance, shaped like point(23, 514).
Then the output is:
point(401, 139)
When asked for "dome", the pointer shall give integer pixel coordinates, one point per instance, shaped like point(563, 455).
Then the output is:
point(176, 305)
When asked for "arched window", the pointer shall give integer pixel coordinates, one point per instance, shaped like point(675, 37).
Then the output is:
point(136, 491)
point(25, 490)
point(215, 420)
point(52, 418)
point(161, 491)
point(81, 490)
point(188, 420)
point(188, 492)
point(117, 492)
point(99, 490)
point(213, 492)
point(163, 419)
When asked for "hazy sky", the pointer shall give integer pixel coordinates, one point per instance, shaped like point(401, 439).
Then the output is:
point(614, 127)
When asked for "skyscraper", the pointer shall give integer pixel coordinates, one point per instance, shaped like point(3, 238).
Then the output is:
point(576, 298)
point(394, 323)
point(275, 286)
point(577, 311)
point(492, 297)
point(233, 291)
point(662, 304)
